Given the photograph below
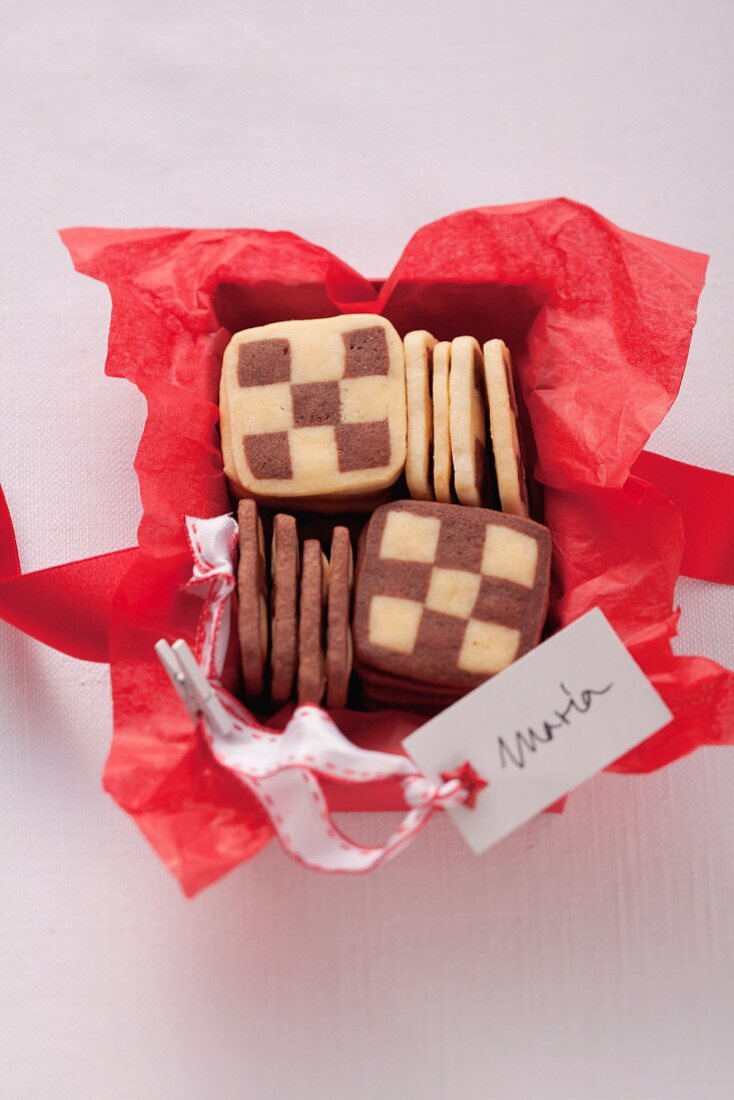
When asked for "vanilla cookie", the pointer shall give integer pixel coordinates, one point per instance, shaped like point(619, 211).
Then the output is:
point(252, 620)
point(468, 421)
point(314, 587)
point(284, 569)
point(339, 630)
point(418, 378)
point(441, 425)
point(313, 409)
point(503, 427)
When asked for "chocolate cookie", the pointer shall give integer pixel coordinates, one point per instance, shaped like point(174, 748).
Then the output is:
point(285, 571)
point(310, 409)
point(339, 630)
point(447, 595)
point(252, 621)
point(314, 587)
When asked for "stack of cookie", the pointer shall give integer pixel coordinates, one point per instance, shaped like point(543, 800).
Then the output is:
point(294, 612)
point(462, 406)
point(445, 597)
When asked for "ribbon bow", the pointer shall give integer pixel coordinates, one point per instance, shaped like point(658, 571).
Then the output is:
point(284, 770)
point(213, 543)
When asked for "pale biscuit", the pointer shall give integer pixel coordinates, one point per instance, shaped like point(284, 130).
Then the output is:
point(419, 347)
point(468, 421)
point(503, 426)
point(314, 409)
point(442, 469)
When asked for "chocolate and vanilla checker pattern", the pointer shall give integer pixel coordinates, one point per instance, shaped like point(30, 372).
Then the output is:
point(325, 416)
point(314, 411)
point(447, 596)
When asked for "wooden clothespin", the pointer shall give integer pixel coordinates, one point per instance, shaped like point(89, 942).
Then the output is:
point(191, 685)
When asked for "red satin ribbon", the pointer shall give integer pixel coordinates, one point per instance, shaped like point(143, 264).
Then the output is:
point(706, 501)
point(9, 560)
point(68, 606)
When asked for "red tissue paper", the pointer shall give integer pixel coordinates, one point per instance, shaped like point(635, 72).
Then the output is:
point(599, 321)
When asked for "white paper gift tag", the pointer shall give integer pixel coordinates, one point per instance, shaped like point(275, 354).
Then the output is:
point(569, 708)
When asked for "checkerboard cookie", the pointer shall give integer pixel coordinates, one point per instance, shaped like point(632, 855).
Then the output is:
point(314, 409)
point(285, 573)
point(419, 347)
point(338, 618)
point(503, 421)
point(331, 505)
point(314, 588)
point(447, 595)
point(380, 687)
point(252, 623)
point(442, 465)
point(468, 420)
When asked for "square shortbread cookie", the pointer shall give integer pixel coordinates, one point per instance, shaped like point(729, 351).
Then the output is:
point(314, 409)
point(448, 595)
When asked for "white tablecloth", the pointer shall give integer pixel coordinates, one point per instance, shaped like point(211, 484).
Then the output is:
point(589, 957)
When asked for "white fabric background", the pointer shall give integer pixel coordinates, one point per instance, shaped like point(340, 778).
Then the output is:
point(587, 958)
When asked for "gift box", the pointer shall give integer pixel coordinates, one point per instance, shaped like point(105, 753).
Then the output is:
point(599, 321)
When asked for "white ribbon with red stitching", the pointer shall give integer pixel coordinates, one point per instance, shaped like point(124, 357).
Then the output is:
point(213, 543)
point(284, 770)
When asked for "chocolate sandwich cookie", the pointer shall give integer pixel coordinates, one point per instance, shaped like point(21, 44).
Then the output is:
point(442, 467)
point(252, 621)
point(468, 420)
point(314, 586)
point(339, 630)
point(312, 409)
point(503, 425)
point(418, 381)
point(285, 572)
point(447, 595)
